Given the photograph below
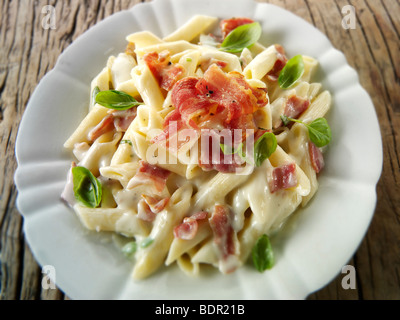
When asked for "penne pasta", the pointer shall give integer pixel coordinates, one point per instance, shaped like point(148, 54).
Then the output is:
point(195, 152)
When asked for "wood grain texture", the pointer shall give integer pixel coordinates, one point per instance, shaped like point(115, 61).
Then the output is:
point(28, 52)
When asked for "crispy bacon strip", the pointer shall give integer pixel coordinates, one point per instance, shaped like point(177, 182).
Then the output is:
point(259, 93)
point(217, 100)
point(227, 92)
point(295, 106)
point(283, 177)
point(228, 25)
point(166, 73)
point(316, 157)
point(149, 174)
point(187, 230)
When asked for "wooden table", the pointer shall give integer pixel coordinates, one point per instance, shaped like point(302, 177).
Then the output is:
point(28, 52)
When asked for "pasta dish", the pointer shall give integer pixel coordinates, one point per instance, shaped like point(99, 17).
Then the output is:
point(198, 146)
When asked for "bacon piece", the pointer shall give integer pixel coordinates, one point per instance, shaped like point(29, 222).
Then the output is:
point(155, 204)
point(228, 25)
point(144, 211)
point(280, 63)
point(149, 174)
point(295, 106)
point(224, 238)
point(221, 226)
point(105, 125)
point(187, 230)
point(188, 100)
point(149, 206)
point(259, 93)
point(316, 157)
point(166, 73)
point(119, 120)
point(173, 121)
point(227, 92)
point(208, 62)
point(123, 118)
point(283, 177)
point(216, 92)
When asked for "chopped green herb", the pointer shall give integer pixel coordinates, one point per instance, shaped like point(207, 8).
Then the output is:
point(129, 249)
point(126, 142)
point(146, 242)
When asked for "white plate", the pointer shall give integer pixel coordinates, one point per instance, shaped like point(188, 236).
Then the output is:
point(314, 245)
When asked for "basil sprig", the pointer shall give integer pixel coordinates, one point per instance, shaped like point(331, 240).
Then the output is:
point(241, 37)
point(291, 72)
point(117, 100)
point(264, 147)
point(262, 254)
point(319, 131)
point(87, 189)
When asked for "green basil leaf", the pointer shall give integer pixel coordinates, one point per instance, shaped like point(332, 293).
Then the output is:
point(226, 150)
point(264, 147)
point(129, 249)
point(319, 132)
point(241, 152)
point(87, 189)
point(262, 254)
point(117, 100)
point(95, 91)
point(146, 242)
point(292, 71)
point(242, 37)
